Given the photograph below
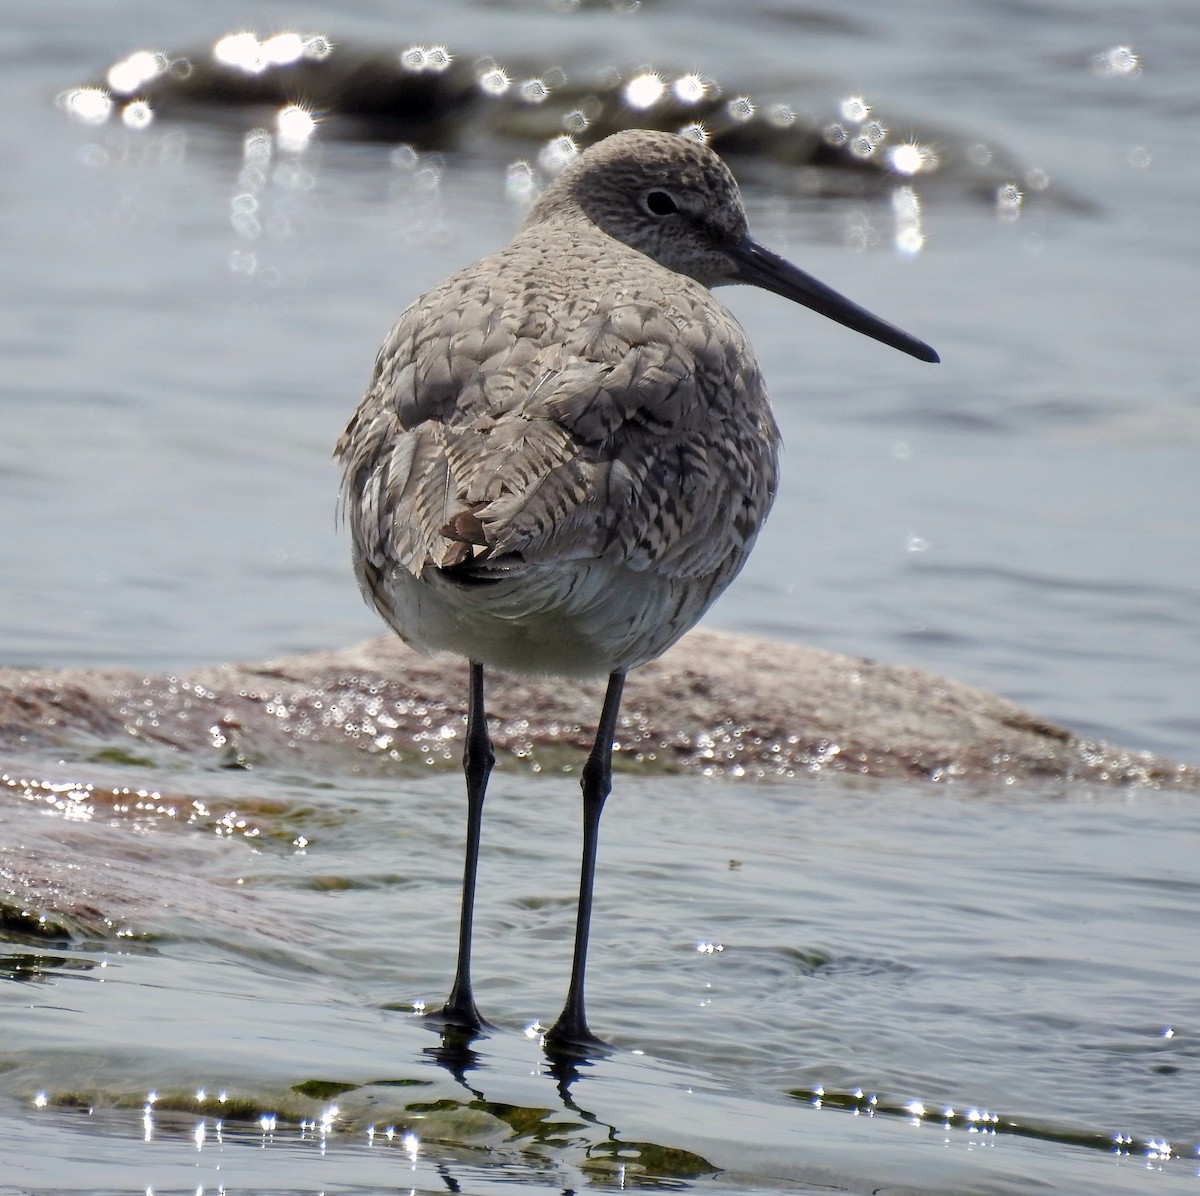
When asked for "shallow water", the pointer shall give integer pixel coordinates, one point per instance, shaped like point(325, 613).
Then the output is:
point(1024, 516)
point(1026, 961)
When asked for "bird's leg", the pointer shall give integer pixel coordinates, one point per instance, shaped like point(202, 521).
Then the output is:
point(478, 759)
point(571, 1029)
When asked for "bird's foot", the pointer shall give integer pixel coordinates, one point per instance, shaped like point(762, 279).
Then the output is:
point(570, 1037)
point(459, 1015)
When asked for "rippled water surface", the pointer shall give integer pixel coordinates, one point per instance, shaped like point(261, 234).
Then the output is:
point(816, 985)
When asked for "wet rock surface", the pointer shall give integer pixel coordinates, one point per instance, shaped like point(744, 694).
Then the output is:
point(716, 704)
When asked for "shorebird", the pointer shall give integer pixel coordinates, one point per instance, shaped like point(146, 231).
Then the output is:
point(566, 452)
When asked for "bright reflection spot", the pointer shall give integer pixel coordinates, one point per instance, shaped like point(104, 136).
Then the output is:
point(41, 1100)
point(520, 182)
point(495, 81)
point(576, 122)
point(835, 134)
point(782, 116)
point(244, 52)
point(240, 50)
point(295, 125)
point(740, 108)
point(855, 109)
point(266, 1123)
point(915, 1108)
point(1008, 201)
point(412, 1144)
point(426, 58)
point(132, 73)
point(199, 1134)
point(534, 1030)
point(710, 948)
point(874, 132)
point(911, 158)
point(283, 48)
point(534, 91)
point(690, 88)
point(915, 543)
point(645, 90)
point(92, 105)
point(906, 206)
point(1117, 61)
point(695, 132)
point(557, 153)
point(861, 146)
point(137, 114)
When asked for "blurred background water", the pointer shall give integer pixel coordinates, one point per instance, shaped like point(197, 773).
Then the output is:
point(1025, 516)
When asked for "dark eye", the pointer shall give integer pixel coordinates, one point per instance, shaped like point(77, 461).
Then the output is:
point(660, 203)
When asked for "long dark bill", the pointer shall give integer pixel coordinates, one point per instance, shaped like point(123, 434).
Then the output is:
point(760, 267)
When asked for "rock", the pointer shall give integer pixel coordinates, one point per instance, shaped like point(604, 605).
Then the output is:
point(716, 703)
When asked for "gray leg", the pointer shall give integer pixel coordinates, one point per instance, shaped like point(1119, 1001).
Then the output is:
point(571, 1029)
point(478, 759)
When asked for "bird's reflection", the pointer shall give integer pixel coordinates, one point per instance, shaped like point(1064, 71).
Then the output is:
point(601, 1141)
point(455, 1050)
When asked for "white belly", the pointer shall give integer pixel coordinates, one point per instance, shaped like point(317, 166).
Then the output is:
point(576, 618)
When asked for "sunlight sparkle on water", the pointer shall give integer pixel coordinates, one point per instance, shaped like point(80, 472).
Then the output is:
point(520, 182)
point(909, 238)
point(419, 59)
point(1008, 201)
point(244, 52)
point(134, 72)
point(855, 109)
point(137, 114)
point(534, 91)
point(557, 153)
point(911, 158)
point(494, 80)
point(690, 88)
point(1118, 61)
point(741, 108)
point(695, 132)
point(644, 91)
point(576, 122)
point(92, 105)
point(294, 125)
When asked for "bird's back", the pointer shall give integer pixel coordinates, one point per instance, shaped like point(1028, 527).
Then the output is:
point(564, 432)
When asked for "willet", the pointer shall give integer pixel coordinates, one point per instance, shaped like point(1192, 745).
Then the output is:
point(567, 451)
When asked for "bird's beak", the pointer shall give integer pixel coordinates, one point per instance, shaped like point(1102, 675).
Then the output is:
point(760, 267)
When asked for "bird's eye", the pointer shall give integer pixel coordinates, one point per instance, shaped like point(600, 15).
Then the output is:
point(660, 203)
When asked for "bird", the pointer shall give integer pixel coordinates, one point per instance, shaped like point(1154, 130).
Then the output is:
point(566, 452)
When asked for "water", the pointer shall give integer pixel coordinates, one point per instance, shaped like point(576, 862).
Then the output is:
point(1023, 516)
